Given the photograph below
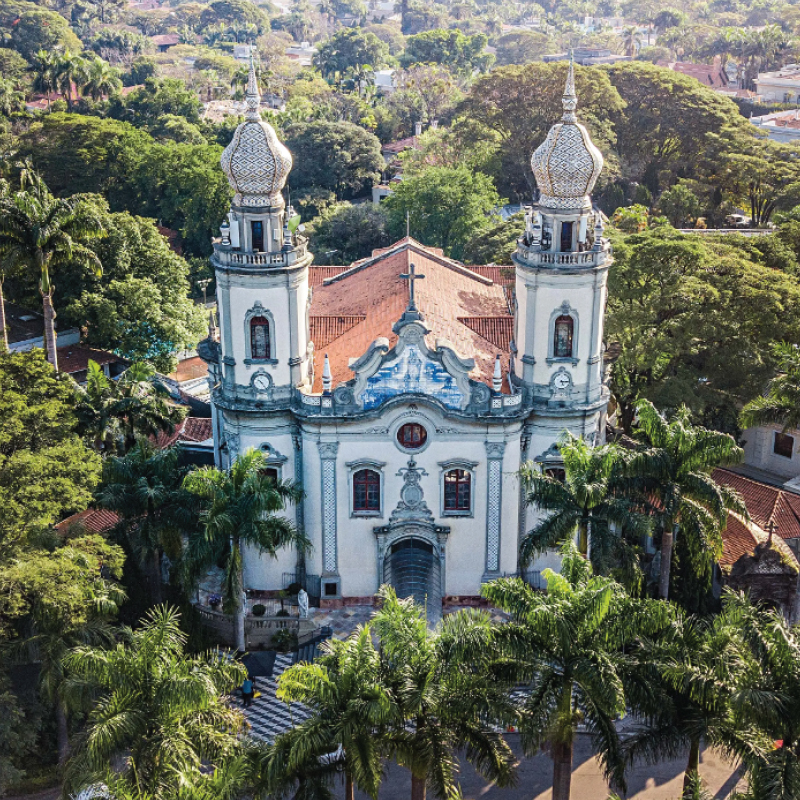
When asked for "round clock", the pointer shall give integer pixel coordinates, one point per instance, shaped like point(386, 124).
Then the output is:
point(261, 383)
point(561, 381)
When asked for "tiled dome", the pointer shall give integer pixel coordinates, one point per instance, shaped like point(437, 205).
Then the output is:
point(256, 162)
point(567, 163)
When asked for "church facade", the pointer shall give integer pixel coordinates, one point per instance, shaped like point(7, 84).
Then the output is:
point(404, 391)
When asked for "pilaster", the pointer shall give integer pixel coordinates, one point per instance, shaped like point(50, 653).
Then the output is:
point(494, 456)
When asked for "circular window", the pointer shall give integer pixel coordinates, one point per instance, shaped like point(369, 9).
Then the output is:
point(412, 436)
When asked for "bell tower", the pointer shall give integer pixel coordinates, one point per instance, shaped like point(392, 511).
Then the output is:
point(562, 266)
point(261, 268)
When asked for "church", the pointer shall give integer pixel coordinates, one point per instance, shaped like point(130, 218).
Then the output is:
point(405, 390)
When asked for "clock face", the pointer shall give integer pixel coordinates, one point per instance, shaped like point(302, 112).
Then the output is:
point(561, 381)
point(261, 383)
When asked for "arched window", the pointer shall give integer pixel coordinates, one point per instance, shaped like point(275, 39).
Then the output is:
point(562, 337)
point(367, 491)
point(457, 490)
point(412, 436)
point(260, 345)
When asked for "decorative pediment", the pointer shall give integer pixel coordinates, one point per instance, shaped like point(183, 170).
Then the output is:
point(411, 367)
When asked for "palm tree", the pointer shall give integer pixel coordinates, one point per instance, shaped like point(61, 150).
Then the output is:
point(43, 233)
point(631, 40)
point(59, 621)
point(239, 507)
point(781, 404)
point(685, 696)
point(349, 705)
point(448, 690)
point(673, 468)
point(592, 503)
point(145, 488)
point(71, 71)
point(112, 414)
point(161, 713)
point(12, 99)
point(187, 35)
point(569, 645)
point(44, 69)
point(102, 79)
point(769, 695)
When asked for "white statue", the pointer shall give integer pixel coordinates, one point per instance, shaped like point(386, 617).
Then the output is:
point(302, 602)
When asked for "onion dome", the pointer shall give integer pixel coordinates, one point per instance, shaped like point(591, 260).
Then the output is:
point(567, 163)
point(256, 162)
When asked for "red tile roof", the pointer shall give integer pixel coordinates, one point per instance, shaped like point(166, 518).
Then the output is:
point(372, 290)
point(740, 539)
point(94, 520)
point(165, 39)
point(409, 143)
point(318, 274)
point(325, 329)
point(75, 358)
point(497, 330)
point(766, 504)
point(192, 429)
point(712, 75)
point(189, 369)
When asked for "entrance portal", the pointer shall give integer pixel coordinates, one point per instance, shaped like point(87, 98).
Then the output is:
point(412, 568)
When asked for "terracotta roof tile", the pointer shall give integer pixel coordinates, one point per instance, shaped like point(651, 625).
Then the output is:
point(189, 369)
point(325, 329)
point(409, 143)
point(318, 273)
point(497, 330)
point(94, 520)
point(765, 503)
point(75, 358)
point(373, 290)
point(192, 429)
point(740, 538)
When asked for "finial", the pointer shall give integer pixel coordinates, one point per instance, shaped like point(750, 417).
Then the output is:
point(212, 326)
point(253, 96)
point(570, 99)
point(327, 380)
point(497, 378)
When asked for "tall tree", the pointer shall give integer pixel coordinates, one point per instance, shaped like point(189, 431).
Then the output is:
point(46, 471)
point(674, 469)
point(781, 404)
point(101, 79)
point(145, 488)
point(569, 644)
point(55, 601)
point(160, 712)
point(71, 73)
point(589, 504)
point(451, 694)
point(239, 507)
point(347, 49)
point(43, 234)
point(45, 73)
point(444, 206)
point(349, 707)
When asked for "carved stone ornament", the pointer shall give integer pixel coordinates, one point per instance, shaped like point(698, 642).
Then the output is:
point(411, 367)
point(328, 450)
point(412, 505)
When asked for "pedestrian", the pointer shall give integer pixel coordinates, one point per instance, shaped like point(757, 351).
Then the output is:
point(248, 690)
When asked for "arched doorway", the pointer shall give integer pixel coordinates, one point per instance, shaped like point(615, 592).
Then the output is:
point(412, 568)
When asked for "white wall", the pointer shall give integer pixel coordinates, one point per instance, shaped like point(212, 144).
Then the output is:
point(759, 451)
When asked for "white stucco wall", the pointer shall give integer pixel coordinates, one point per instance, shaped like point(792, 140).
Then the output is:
point(759, 451)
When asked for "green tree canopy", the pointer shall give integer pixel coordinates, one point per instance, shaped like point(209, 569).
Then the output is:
point(453, 49)
point(445, 206)
point(145, 106)
point(349, 48)
point(695, 319)
point(46, 472)
point(339, 156)
point(41, 29)
point(521, 104)
point(520, 47)
point(344, 233)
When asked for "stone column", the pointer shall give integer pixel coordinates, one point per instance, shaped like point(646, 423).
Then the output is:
point(494, 480)
point(327, 453)
point(522, 511)
point(297, 441)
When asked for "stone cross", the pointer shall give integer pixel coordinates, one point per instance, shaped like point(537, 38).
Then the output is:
point(411, 276)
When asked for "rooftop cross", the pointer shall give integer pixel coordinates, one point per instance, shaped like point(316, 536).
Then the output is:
point(411, 276)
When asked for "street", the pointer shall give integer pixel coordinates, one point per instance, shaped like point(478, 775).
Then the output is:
point(661, 782)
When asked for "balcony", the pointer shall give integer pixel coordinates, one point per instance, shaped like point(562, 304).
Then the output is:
point(226, 256)
point(535, 258)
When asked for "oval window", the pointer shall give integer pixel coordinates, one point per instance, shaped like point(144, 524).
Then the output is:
point(411, 436)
